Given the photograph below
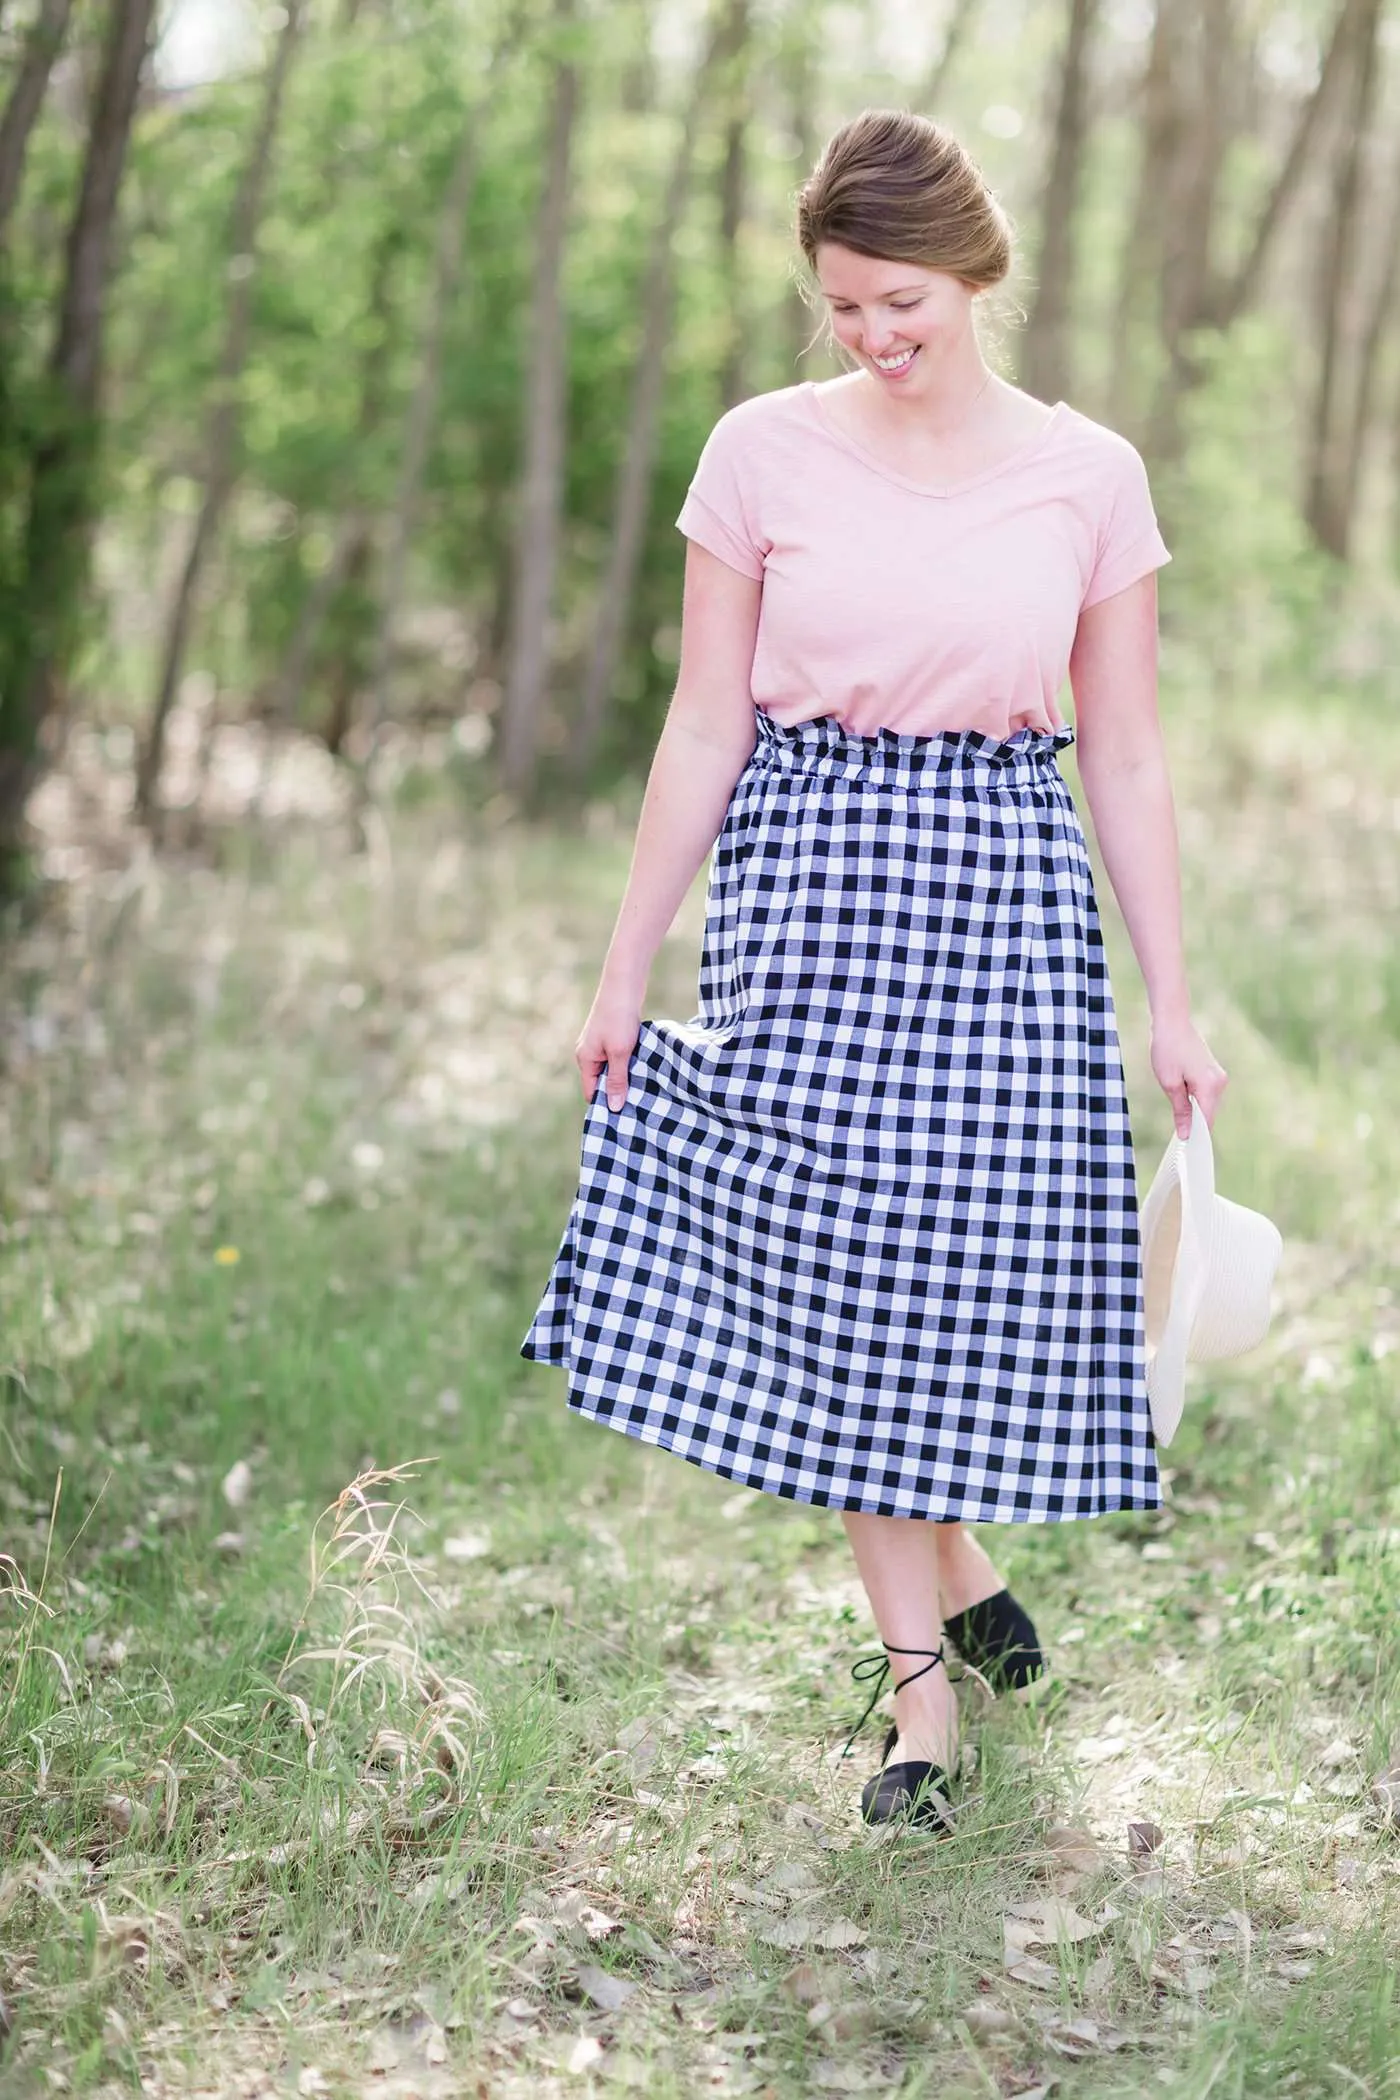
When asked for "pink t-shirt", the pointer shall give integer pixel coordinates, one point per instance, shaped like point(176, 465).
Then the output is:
point(889, 606)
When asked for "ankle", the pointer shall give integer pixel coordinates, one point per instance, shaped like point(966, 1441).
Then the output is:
point(967, 1574)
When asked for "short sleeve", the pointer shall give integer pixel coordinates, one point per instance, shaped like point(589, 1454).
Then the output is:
point(719, 505)
point(1129, 543)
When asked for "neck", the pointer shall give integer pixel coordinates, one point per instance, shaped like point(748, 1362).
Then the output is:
point(945, 398)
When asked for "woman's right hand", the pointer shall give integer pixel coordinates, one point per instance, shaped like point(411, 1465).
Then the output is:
point(609, 1037)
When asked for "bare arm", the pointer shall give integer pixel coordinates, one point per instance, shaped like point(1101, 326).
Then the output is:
point(707, 741)
point(1123, 764)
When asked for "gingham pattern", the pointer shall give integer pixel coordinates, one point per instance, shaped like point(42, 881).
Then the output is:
point(866, 1232)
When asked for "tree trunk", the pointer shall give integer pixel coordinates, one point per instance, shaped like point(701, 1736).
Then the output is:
point(542, 484)
point(732, 187)
point(955, 37)
point(41, 48)
point(1240, 291)
point(1329, 493)
point(1209, 64)
point(421, 417)
point(59, 470)
point(799, 79)
point(634, 473)
point(1139, 270)
point(222, 434)
point(1046, 353)
point(1373, 342)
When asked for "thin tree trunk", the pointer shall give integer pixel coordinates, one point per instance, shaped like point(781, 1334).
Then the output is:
point(635, 469)
point(421, 418)
point(799, 73)
point(1240, 291)
point(1373, 341)
point(224, 428)
point(1139, 269)
point(1046, 355)
point(732, 188)
point(41, 48)
point(955, 37)
point(59, 472)
point(1193, 188)
point(1329, 497)
point(542, 491)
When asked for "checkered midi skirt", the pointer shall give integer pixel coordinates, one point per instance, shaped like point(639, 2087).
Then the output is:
point(865, 1233)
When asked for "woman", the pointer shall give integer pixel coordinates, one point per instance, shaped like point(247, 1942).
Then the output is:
point(865, 1232)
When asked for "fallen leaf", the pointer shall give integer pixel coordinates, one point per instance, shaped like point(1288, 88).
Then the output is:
point(791, 1877)
point(238, 1485)
point(1046, 1922)
point(1144, 1839)
point(1029, 1969)
point(831, 2077)
point(640, 1744)
point(1101, 1749)
point(521, 2009)
point(1385, 1794)
point(1072, 1854)
point(467, 1545)
point(804, 1985)
point(1303, 1939)
point(841, 1932)
point(765, 1899)
point(584, 2054)
point(608, 1992)
point(1073, 2038)
point(985, 2017)
point(574, 1909)
point(1294, 1971)
point(1337, 1754)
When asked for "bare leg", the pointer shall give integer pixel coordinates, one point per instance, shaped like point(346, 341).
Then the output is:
point(966, 1573)
point(898, 1564)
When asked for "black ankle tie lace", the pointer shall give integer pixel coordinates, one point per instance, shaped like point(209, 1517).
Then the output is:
point(878, 1667)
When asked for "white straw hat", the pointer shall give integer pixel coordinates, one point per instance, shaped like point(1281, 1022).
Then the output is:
point(1208, 1270)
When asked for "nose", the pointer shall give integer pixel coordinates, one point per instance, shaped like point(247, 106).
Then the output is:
point(879, 338)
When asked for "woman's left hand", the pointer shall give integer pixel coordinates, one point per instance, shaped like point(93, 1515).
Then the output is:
point(1184, 1067)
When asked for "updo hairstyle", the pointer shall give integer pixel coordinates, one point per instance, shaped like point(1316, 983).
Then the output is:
point(899, 187)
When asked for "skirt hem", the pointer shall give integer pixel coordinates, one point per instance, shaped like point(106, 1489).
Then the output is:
point(946, 1509)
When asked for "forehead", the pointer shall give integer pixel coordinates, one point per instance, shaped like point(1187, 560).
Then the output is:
point(842, 274)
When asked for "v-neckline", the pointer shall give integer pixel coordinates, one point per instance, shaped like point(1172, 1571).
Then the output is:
point(851, 444)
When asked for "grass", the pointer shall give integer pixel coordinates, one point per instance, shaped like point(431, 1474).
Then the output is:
point(530, 1783)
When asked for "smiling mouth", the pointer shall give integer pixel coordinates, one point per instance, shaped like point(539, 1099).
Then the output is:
point(895, 364)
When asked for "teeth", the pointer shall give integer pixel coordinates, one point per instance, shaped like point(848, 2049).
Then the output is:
point(893, 364)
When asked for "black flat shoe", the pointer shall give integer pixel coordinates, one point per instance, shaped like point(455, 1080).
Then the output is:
point(999, 1640)
point(913, 1789)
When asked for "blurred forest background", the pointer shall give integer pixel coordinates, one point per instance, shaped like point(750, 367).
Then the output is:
point(356, 353)
point(355, 356)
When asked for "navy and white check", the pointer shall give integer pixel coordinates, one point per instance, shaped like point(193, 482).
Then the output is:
point(865, 1232)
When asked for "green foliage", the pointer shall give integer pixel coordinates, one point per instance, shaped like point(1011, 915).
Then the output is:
point(1251, 593)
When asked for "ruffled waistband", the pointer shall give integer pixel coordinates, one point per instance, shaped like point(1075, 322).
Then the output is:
point(891, 755)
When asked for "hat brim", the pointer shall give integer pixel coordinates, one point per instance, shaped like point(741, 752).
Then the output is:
point(1174, 1223)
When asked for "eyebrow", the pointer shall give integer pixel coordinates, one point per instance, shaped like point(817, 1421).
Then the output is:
point(894, 293)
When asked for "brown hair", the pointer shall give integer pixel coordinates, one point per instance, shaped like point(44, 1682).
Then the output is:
point(900, 188)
